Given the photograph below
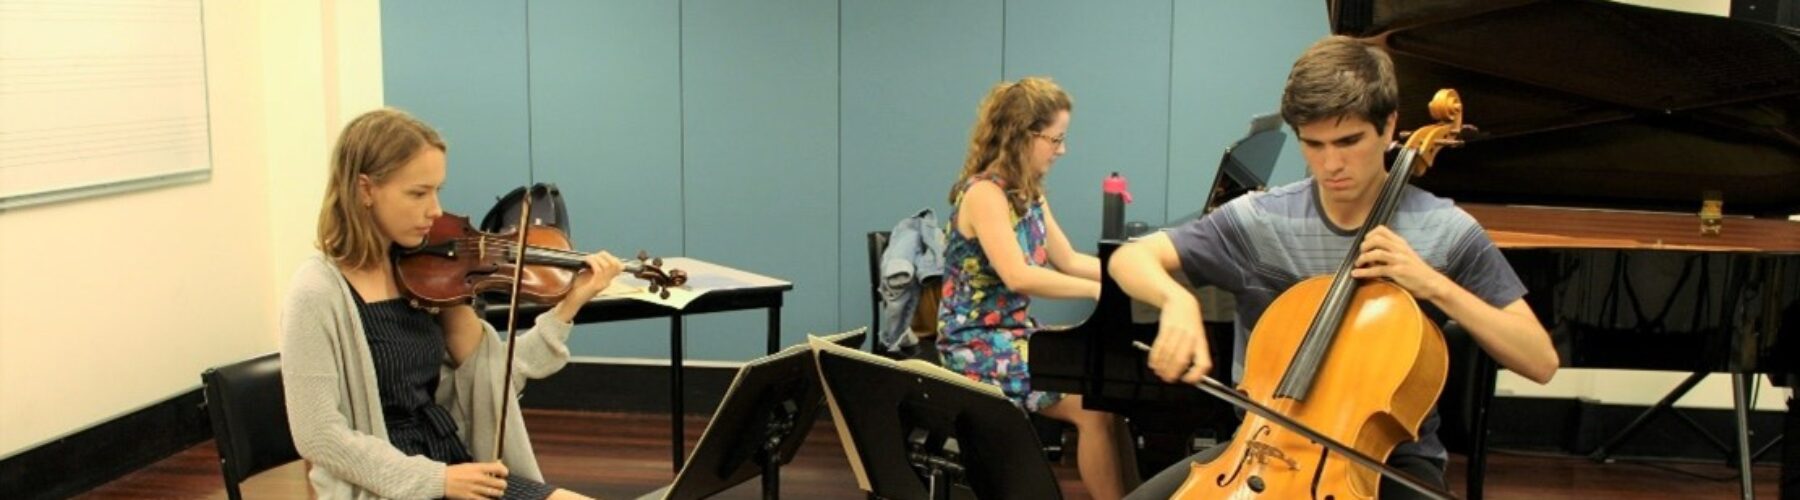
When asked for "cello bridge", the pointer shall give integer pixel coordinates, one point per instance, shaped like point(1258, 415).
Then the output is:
point(1261, 452)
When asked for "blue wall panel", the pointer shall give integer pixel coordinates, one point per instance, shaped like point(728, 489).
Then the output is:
point(760, 101)
point(1113, 59)
point(736, 131)
point(913, 74)
point(1231, 60)
point(461, 68)
point(606, 128)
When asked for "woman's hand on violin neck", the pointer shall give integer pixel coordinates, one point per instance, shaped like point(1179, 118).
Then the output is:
point(1180, 350)
point(602, 268)
point(474, 481)
point(1386, 255)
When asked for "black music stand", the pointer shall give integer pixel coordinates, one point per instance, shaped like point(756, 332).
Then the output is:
point(915, 431)
point(764, 418)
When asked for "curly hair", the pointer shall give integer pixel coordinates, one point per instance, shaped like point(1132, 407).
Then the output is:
point(1004, 125)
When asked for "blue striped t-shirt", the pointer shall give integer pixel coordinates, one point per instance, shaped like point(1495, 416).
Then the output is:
point(1258, 245)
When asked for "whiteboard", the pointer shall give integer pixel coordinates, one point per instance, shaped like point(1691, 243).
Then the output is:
point(100, 96)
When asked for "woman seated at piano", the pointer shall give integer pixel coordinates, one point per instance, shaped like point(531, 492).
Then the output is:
point(388, 400)
point(1341, 101)
point(1003, 247)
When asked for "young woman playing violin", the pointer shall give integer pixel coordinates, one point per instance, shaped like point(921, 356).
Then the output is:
point(1341, 99)
point(388, 400)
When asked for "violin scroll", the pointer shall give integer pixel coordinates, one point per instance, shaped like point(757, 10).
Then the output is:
point(650, 269)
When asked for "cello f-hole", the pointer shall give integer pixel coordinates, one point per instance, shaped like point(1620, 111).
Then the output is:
point(1319, 473)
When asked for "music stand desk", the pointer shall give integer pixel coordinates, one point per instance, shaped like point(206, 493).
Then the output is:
point(766, 414)
point(726, 289)
point(912, 430)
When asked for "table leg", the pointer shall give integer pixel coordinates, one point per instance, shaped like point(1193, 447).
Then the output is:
point(678, 441)
point(774, 329)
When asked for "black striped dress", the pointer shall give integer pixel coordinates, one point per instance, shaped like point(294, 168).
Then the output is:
point(408, 347)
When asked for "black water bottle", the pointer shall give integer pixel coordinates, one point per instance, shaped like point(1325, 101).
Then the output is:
point(1113, 196)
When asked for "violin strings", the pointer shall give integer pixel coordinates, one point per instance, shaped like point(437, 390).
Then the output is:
point(498, 245)
point(532, 251)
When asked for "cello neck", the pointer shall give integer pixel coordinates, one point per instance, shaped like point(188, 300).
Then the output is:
point(1297, 382)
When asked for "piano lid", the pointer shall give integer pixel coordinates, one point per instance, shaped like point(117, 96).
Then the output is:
point(1598, 104)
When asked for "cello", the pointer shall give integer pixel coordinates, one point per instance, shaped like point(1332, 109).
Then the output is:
point(1339, 370)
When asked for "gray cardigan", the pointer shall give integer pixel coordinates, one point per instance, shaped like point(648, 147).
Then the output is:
point(334, 405)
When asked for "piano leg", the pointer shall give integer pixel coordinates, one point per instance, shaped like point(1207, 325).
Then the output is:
point(1741, 384)
point(1487, 372)
point(1790, 455)
point(1127, 448)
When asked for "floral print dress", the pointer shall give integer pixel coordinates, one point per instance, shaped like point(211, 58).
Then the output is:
point(984, 327)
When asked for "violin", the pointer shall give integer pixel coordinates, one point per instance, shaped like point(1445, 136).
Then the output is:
point(533, 264)
point(1339, 370)
point(456, 262)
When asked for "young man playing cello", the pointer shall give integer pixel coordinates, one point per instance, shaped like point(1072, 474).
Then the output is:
point(1341, 100)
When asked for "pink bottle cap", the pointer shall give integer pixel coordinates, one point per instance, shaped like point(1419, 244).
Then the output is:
point(1115, 184)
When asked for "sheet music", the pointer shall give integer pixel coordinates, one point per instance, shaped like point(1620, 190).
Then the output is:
point(703, 277)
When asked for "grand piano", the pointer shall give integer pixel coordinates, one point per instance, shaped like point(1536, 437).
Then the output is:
point(1604, 129)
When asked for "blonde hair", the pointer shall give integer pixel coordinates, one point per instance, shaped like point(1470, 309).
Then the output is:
point(375, 144)
point(1341, 76)
point(1008, 117)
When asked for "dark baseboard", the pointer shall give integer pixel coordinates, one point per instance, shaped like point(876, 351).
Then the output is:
point(604, 387)
point(106, 451)
point(91, 457)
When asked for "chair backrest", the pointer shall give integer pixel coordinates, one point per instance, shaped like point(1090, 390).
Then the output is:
point(249, 418)
point(878, 242)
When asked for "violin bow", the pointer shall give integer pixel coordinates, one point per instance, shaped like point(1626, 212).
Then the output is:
point(1215, 388)
point(512, 323)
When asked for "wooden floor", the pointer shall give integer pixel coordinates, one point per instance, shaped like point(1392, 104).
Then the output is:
point(625, 455)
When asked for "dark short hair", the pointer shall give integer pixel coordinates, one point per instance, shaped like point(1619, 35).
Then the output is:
point(1341, 77)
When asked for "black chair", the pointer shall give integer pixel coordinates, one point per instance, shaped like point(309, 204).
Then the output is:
point(877, 243)
point(1050, 431)
point(249, 418)
point(1463, 406)
point(925, 349)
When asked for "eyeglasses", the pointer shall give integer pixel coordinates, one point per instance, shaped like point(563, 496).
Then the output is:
point(1055, 141)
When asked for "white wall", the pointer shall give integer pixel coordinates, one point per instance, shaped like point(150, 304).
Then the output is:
point(111, 304)
point(1721, 8)
point(1639, 388)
